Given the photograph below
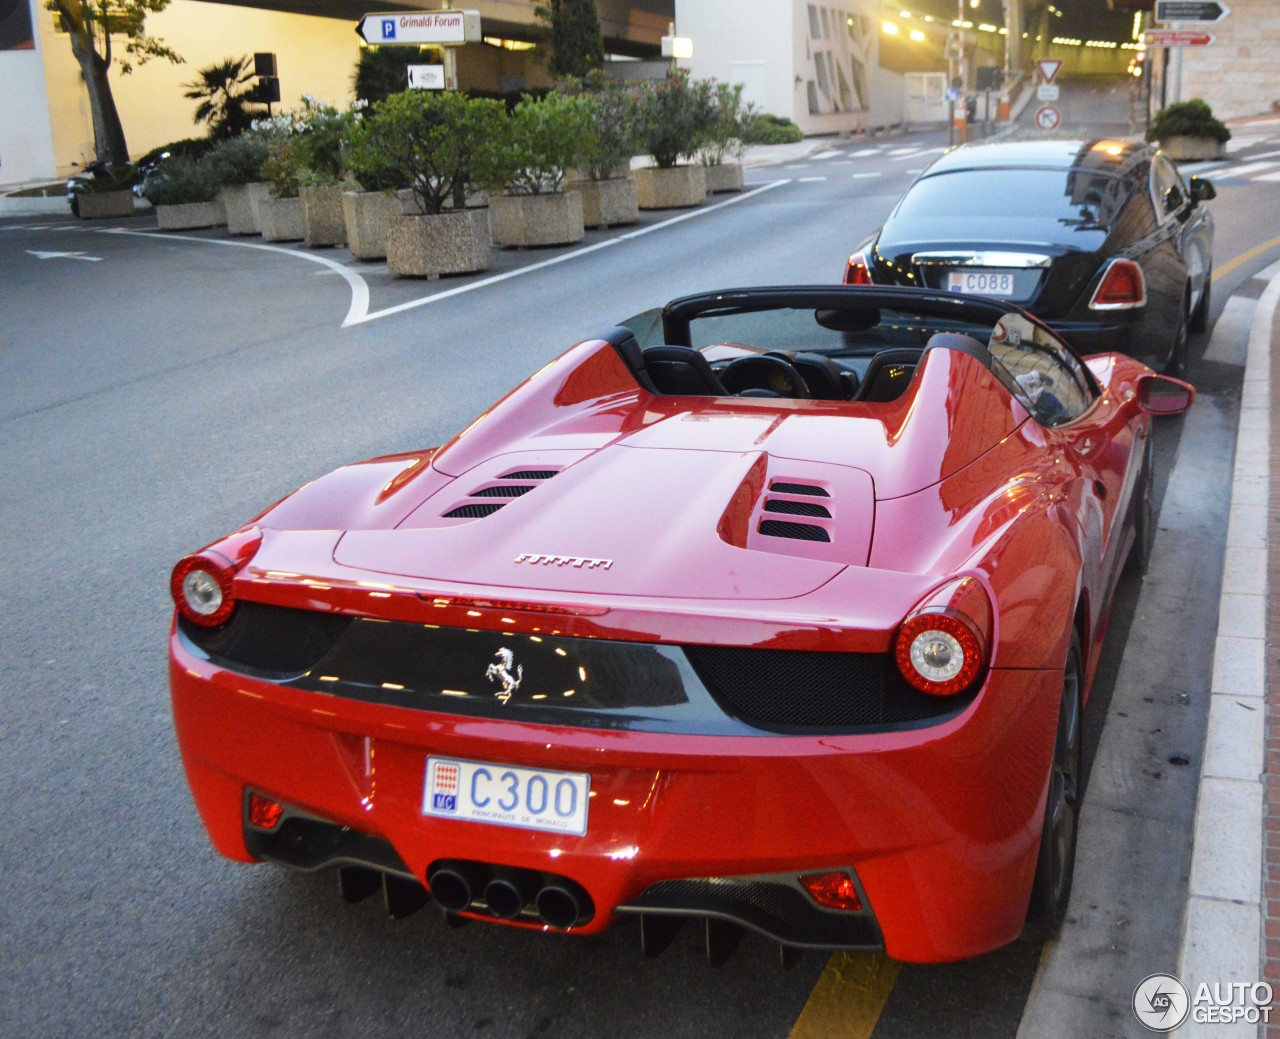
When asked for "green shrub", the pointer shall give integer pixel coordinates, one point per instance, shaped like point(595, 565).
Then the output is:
point(724, 132)
point(319, 132)
point(674, 117)
point(283, 168)
point(611, 116)
point(436, 142)
point(544, 138)
point(119, 176)
point(1192, 118)
point(181, 181)
point(762, 128)
point(239, 160)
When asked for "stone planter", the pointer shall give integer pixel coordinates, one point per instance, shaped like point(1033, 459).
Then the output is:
point(190, 215)
point(368, 216)
point(96, 205)
point(725, 176)
point(676, 188)
point(607, 203)
point(421, 246)
point(322, 222)
point(1193, 149)
point(529, 220)
point(241, 203)
point(280, 219)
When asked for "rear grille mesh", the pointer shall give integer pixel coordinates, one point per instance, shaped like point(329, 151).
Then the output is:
point(802, 689)
point(509, 492)
point(796, 508)
point(473, 511)
point(798, 488)
point(799, 531)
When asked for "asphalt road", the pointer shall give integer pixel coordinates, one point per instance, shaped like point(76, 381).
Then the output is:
point(156, 396)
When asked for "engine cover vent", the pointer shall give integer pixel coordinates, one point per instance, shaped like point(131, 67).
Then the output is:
point(506, 492)
point(798, 488)
point(799, 531)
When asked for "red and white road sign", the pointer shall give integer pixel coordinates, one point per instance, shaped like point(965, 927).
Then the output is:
point(1177, 38)
point(1048, 117)
point(1048, 68)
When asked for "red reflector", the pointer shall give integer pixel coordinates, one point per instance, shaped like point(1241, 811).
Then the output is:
point(511, 604)
point(1122, 287)
point(833, 890)
point(858, 271)
point(264, 814)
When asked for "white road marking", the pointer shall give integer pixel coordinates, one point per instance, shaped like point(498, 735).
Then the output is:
point(63, 256)
point(1270, 178)
point(904, 151)
point(1239, 143)
point(824, 156)
point(1247, 168)
point(865, 151)
point(796, 166)
point(809, 180)
point(863, 176)
point(358, 312)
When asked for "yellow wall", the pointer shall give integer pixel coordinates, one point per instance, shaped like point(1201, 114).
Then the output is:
point(314, 56)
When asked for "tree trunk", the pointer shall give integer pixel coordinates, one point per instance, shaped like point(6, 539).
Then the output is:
point(108, 131)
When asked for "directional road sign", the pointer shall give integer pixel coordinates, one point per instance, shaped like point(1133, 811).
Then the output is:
point(411, 28)
point(1048, 117)
point(426, 77)
point(1048, 68)
point(1177, 38)
point(1191, 11)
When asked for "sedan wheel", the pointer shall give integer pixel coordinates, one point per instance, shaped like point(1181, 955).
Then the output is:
point(1200, 319)
point(1056, 864)
point(1177, 363)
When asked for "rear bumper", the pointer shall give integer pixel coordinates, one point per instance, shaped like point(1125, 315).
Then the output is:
point(941, 824)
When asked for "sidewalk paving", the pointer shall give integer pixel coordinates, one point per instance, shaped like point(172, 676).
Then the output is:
point(1232, 919)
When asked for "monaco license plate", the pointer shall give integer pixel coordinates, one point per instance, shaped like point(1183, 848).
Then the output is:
point(503, 795)
point(981, 282)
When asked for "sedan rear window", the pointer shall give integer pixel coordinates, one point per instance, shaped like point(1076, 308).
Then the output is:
point(1076, 198)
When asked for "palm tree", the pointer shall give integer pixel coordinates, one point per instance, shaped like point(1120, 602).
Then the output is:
point(225, 93)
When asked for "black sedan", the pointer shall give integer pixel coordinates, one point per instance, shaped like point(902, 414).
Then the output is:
point(1101, 239)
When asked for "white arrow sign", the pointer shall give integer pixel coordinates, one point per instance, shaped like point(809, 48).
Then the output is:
point(426, 77)
point(63, 256)
point(400, 28)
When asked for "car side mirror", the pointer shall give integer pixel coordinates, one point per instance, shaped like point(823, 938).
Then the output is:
point(1202, 190)
point(1164, 395)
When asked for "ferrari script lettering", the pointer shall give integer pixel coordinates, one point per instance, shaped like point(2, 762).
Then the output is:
point(575, 561)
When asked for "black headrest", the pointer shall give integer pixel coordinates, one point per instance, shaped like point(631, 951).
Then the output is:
point(888, 374)
point(683, 371)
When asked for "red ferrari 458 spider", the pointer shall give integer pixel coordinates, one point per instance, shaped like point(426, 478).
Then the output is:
point(775, 609)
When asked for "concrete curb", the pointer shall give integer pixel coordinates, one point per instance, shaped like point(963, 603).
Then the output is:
point(39, 204)
point(1222, 937)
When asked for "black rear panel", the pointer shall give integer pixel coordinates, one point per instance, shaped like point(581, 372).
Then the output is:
point(589, 683)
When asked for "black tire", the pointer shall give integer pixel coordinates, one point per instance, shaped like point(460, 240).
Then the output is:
point(1055, 866)
point(1177, 363)
point(1144, 514)
point(1200, 319)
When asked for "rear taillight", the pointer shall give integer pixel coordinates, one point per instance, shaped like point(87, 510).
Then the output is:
point(1122, 287)
point(858, 270)
point(202, 583)
point(834, 890)
point(264, 813)
point(942, 646)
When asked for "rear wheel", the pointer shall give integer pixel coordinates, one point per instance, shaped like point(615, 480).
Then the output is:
point(1200, 319)
point(1144, 516)
point(1056, 864)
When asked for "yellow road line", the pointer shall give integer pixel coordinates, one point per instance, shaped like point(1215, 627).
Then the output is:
point(1243, 258)
point(849, 997)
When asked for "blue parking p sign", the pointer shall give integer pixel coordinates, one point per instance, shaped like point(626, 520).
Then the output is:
point(388, 28)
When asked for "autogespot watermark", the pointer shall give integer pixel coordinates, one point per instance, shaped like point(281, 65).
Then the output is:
point(1161, 1002)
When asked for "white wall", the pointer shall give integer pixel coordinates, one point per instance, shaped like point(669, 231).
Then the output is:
point(815, 63)
point(742, 41)
point(26, 143)
point(314, 56)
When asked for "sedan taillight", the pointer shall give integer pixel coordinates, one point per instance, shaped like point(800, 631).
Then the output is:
point(202, 583)
point(858, 270)
point(1122, 287)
